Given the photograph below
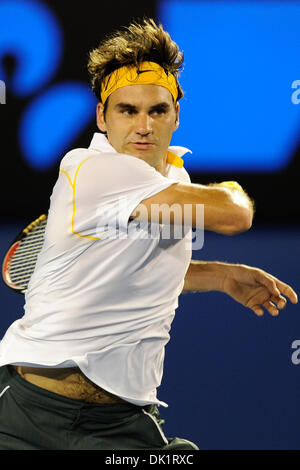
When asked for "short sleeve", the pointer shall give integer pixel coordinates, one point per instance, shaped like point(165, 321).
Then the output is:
point(108, 187)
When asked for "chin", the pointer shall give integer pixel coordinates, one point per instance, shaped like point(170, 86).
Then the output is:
point(138, 153)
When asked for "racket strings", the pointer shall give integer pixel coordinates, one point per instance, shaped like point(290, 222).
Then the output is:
point(23, 262)
point(28, 252)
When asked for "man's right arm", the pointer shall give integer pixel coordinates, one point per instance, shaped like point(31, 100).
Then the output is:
point(227, 210)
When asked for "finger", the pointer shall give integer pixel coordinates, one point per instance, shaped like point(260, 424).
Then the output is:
point(271, 308)
point(286, 290)
point(268, 281)
point(280, 301)
point(257, 310)
point(275, 286)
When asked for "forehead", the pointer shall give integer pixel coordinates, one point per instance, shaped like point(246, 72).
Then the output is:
point(141, 95)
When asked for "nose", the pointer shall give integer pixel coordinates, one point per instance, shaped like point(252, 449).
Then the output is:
point(143, 124)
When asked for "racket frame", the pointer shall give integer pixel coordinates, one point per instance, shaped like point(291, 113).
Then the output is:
point(13, 249)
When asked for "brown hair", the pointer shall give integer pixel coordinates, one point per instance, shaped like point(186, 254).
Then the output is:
point(144, 41)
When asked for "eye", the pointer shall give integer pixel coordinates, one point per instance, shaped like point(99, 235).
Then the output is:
point(158, 111)
point(128, 112)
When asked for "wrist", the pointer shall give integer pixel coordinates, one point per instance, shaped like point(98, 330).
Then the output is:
point(231, 185)
point(206, 276)
point(221, 272)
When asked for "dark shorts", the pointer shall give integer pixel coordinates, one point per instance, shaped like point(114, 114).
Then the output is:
point(32, 418)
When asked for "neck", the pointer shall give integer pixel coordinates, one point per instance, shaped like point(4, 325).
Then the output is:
point(160, 165)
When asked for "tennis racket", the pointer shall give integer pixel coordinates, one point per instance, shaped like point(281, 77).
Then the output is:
point(19, 262)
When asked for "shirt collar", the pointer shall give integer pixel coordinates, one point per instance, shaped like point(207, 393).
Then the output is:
point(99, 142)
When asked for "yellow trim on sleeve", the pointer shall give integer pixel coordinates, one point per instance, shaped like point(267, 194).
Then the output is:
point(174, 159)
point(63, 171)
point(73, 200)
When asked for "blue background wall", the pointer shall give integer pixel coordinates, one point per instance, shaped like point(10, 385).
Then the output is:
point(229, 380)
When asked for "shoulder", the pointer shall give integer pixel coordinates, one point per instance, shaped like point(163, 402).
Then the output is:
point(75, 156)
point(91, 160)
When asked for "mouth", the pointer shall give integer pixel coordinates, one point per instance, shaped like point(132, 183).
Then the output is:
point(142, 145)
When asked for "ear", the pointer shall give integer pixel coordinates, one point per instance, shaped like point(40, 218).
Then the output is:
point(177, 107)
point(100, 117)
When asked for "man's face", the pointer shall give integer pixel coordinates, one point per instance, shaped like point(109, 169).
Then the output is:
point(140, 121)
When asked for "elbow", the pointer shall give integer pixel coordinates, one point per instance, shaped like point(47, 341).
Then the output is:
point(241, 222)
point(248, 220)
point(244, 224)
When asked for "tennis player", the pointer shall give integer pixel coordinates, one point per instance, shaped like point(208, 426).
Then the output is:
point(81, 368)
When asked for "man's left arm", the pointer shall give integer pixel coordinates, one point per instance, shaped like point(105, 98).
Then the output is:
point(252, 287)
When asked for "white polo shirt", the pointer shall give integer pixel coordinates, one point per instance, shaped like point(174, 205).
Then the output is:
point(105, 289)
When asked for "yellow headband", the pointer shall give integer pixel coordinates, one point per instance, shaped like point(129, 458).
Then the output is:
point(149, 73)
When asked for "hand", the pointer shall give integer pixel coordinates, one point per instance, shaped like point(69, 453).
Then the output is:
point(255, 288)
